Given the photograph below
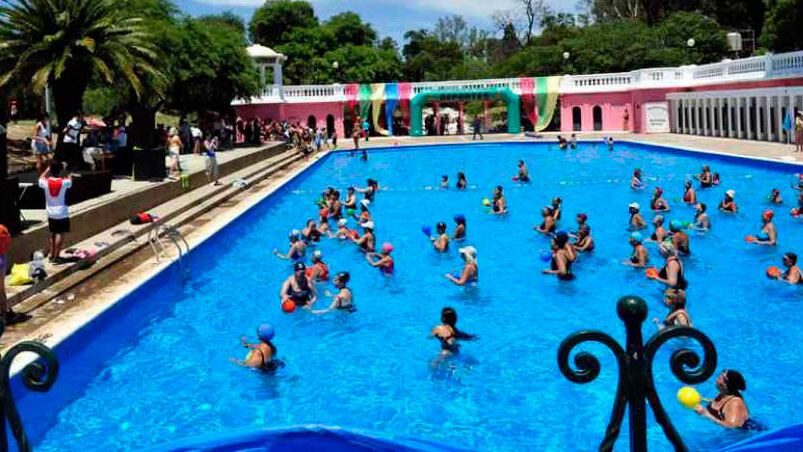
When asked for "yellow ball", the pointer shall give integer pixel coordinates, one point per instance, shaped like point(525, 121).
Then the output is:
point(689, 397)
point(486, 202)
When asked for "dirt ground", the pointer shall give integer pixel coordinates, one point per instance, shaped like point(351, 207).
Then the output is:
point(20, 157)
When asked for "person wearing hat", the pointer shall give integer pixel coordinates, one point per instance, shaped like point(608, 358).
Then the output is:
point(583, 243)
point(471, 272)
point(263, 354)
point(680, 239)
point(792, 274)
point(298, 247)
point(639, 256)
point(660, 232)
point(728, 409)
point(384, 261)
point(460, 229)
point(636, 220)
point(299, 287)
point(728, 204)
point(319, 271)
point(562, 258)
point(441, 241)
point(343, 300)
point(672, 274)
point(367, 242)
point(658, 203)
point(365, 214)
point(342, 232)
point(768, 234)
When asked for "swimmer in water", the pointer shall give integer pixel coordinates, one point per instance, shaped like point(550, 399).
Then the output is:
point(470, 273)
point(323, 221)
point(562, 142)
point(775, 196)
point(562, 258)
point(383, 261)
point(460, 229)
point(675, 300)
point(637, 181)
point(658, 203)
point(792, 274)
point(639, 257)
point(448, 334)
point(636, 221)
point(343, 232)
point(728, 205)
point(365, 214)
point(609, 141)
point(461, 181)
point(768, 234)
point(369, 192)
point(299, 287)
point(335, 206)
point(581, 219)
point(547, 226)
point(524, 173)
point(297, 249)
point(263, 354)
point(701, 220)
point(689, 195)
point(705, 177)
point(367, 242)
point(556, 210)
point(343, 300)
point(797, 212)
point(319, 271)
point(351, 199)
point(499, 202)
point(584, 243)
point(573, 141)
point(728, 409)
point(441, 241)
point(680, 239)
point(672, 274)
point(311, 232)
point(444, 182)
point(660, 232)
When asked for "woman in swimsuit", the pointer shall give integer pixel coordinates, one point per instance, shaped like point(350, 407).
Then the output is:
point(384, 261)
point(319, 271)
point(706, 178)
point(636, 220)
point(343, 301)
point(471, 272)
point(335, 206)
point(639, 257)
point(297, 247)
point(679, 238)
point(658, 203)
point(524, 173)
point(584, 243)
point(461, 181)
point(556, 210)
point(444, 182)
point(351, 199)
point(367, 242)
point(660, 232)
point(701, 220)
point(689, 195)
point(370, 190)
point(343, 232)
point(637, 182)
point(672, 273)
point(675, 300)
point(299, 287)
point(728, 409)
point(562, 258)
point(792, 274)
point(441, 241)
point(499, 202)
point(460, 229)
point(323, 221)
point(448, 334)
point(768, 234)
point(728, 205)
point(263, 354)
point(548, 225)
point(775, 196)
point(311, 232)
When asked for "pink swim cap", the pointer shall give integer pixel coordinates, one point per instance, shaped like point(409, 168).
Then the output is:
point(387, 247)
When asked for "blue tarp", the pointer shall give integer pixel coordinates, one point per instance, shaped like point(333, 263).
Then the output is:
point(789, 439)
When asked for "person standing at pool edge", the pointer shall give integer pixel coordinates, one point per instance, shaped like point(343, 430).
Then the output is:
point(476, 125)
point(58, 214)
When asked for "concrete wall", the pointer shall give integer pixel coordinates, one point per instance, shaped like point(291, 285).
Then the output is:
point(299, 112)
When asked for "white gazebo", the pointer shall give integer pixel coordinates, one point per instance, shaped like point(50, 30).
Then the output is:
point(264, 56)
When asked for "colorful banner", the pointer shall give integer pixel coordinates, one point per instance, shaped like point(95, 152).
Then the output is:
point(405, 94)
point(350, 91)
point(527, 86)
point(377, 98)
point(391, 99)
point(364, 97)
point(547, 92)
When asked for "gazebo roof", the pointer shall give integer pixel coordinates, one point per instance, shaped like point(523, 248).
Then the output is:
point(259, 52)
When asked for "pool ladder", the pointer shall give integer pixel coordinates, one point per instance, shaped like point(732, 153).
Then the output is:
point(172, 234)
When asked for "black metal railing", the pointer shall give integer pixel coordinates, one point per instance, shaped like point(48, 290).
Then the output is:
point(635, 371)
point(39, 375)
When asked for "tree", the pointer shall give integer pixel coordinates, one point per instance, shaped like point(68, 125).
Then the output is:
point(603, 10)
point(782, 27)
point(68, 44)
point(228, 19)
point(533, 11)
point(273, 22)
point(348, 28)
point(428, 58)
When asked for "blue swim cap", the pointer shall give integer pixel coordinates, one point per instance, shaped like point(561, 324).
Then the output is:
point(637, 237)
point(265, 332)
point(459, 218)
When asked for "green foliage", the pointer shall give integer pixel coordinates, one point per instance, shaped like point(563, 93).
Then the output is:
point(428, 58)
point(229, 19)
point(101, 101)
point(782, 29)
point(363, 63)
point(347, 28)
point(274, 22)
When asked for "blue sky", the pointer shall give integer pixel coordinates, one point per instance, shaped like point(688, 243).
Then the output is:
point(388, 17)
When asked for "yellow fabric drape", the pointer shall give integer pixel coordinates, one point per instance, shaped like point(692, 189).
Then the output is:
point(547, 90)
point(377, 97)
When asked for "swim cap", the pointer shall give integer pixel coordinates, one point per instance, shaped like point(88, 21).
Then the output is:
point(637, 237)
point(768, 214)
point(582, 216)
point(459, 218)
point(299, 266)
point(343, 277)
point(658, 219)
point(659, 190)
point(636, 171)
point(265, 332)
point(634, 205)
point(365, 203)
point(561, 237)
point(367, 225)
point(731, 193)
point(440, 225)
point(342, 222)
point(295, 233)
point(468, 251)
point(317, 255)
point(387, 247)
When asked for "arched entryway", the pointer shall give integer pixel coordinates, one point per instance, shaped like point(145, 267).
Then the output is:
point(577, 119)
point(312, 122)
point(597, 112)
point(330, 124)
point(505, 95)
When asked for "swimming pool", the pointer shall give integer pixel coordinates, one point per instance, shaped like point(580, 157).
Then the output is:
point(155, 367)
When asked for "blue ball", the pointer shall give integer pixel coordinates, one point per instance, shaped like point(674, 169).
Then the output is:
point(545, 256)
point(265, 332)
point(763, 236)
point(427, 230)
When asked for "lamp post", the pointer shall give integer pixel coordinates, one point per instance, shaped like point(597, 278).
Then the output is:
point(689, 46)
point(336, 66)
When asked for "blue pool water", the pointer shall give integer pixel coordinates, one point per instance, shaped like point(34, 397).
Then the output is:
point(155, 368)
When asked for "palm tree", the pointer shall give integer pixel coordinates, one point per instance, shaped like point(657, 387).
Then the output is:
point(70, 43)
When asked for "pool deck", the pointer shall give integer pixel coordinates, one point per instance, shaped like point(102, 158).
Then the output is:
point(68, 305)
